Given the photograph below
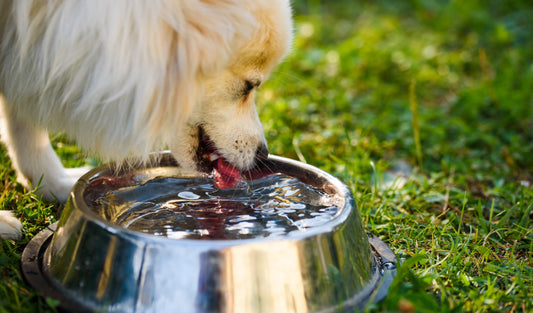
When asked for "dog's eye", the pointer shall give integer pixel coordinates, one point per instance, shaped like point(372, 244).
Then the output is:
point(249, 85)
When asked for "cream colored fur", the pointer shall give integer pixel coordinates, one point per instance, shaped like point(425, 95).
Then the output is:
point(124, 78)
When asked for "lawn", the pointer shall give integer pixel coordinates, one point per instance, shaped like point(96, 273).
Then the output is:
point(424, 108)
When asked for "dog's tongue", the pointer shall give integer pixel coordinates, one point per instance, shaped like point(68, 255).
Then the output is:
point(226, 176)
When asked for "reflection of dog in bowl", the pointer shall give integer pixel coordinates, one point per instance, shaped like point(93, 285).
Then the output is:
point(124, 78)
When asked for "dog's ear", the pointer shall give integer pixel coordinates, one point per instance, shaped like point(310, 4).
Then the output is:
point(205, 35)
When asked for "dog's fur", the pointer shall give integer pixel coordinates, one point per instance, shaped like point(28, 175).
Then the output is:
point(125, 78)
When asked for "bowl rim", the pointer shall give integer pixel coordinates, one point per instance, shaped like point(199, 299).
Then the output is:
point(337, 221)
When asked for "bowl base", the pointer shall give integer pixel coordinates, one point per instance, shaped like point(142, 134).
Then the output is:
point(33, 269)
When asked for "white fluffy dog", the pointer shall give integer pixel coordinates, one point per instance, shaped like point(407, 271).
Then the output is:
point(124, 78)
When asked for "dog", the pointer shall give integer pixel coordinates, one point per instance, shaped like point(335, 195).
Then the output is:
point(125, 78)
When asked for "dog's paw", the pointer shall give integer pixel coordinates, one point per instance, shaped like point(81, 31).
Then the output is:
point(59, 188)
point(10, 226)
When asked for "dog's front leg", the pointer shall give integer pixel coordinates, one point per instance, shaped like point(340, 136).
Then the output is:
point(34, 159)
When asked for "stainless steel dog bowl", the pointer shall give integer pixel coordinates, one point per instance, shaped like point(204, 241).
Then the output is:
point(90, 263)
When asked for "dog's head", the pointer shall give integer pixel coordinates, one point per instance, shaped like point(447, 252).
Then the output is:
point(223, 128)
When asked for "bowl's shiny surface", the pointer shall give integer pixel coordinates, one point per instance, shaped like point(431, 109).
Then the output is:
point(98, 266)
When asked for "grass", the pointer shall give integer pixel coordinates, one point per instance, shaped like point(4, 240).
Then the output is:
point(424, 109)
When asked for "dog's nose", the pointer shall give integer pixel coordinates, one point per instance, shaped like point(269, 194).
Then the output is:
point(262, 152)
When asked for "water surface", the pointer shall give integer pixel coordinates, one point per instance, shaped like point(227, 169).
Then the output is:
point(193, 208)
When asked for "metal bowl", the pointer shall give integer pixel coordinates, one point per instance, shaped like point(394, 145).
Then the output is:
point(91, 264)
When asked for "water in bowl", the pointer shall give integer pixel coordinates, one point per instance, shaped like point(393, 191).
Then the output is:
point(193, 208)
